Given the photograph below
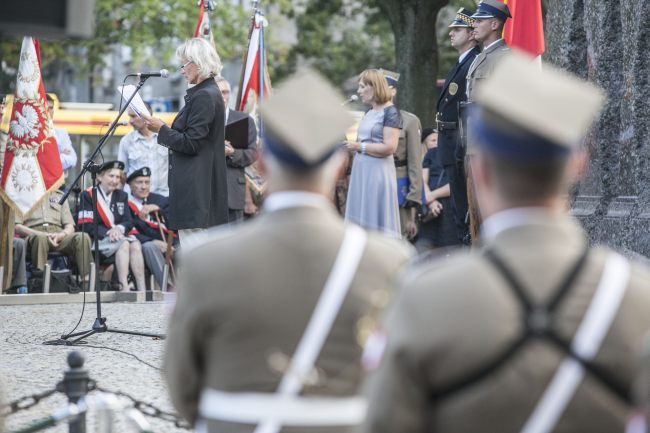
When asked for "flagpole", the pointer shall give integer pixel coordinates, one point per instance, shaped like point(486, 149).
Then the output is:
point(262, 70)
point(245, 55)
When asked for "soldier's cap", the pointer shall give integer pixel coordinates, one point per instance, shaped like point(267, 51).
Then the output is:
point(304, 121)
point(426, 132)
point(492, 9)
point(463, 18)
point(141, 172)
point(111, 164)
point(526, 112)
point(392, 78)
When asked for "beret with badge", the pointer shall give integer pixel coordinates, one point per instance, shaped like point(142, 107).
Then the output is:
point(141, 172)
point(110, 165)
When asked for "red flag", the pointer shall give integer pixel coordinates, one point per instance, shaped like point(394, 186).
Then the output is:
point(525, 29)
point(32, 165)
point(255, 83)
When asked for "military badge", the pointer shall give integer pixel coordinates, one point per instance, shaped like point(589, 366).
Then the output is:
point(453, 89)
point(120, 208)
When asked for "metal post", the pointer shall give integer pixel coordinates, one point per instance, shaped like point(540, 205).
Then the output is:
point(165, 278)
point(91, 279)
point(75, 386)
point(46, 278)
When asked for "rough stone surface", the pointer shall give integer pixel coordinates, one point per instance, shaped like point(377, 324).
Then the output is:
point(609, 46)
point(28, 367)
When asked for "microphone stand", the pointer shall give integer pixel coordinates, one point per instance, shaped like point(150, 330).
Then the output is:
point(90, 166)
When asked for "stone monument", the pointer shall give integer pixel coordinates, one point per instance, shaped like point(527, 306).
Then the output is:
point(608, 43)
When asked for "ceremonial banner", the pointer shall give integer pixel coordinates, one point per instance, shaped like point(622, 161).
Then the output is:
point(255, 84)
point(203, 29)
point(32, 165)
point(525, 30)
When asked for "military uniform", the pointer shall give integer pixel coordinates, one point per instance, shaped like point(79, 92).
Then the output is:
point(551, 329)
point(484, 64)
point(416, 389)
point(240, 324)
point(52, 217)
point(408, 162)
point(408, 167)
point(450, 151)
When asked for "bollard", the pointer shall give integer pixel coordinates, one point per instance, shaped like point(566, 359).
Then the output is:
point(46, 278)
point(75, 385)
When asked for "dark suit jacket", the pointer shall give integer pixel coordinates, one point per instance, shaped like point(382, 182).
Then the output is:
point(146, 233)
point(450, 97)
point(119, 206)
point(198, 192)
point(238, 161)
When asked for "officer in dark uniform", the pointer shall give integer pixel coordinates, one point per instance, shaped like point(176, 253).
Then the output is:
point(150, 212)
point(450, 151)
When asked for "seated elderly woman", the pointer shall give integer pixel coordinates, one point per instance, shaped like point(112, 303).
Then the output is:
point(114, 225)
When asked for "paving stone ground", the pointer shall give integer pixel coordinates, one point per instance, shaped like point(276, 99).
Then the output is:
point(27, 366)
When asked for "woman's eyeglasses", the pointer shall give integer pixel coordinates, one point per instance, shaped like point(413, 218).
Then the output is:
point(184, 65)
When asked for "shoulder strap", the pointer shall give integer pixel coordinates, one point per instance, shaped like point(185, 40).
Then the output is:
point(536, 322)
point(586, 344)
point(319, 326)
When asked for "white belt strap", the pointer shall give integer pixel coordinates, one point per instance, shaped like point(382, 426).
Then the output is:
point(290, 411)
point(586, 343)
point(271, 411)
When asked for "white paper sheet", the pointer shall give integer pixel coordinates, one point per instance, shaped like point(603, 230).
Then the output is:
point(137, 104)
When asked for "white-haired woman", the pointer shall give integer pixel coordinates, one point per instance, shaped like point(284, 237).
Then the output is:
point(198, 193)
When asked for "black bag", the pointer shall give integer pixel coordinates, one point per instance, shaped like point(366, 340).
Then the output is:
point(61, 281)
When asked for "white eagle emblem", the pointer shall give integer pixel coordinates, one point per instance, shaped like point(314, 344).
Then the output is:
point(26, 124)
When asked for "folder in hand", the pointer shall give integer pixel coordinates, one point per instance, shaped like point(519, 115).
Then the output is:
point(237, 133)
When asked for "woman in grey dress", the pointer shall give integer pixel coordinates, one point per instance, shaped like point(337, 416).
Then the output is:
point(372, 195)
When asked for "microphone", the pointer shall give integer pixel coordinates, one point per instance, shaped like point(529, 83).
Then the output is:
point(352, 98)
point(163, 73)
point(121, 123)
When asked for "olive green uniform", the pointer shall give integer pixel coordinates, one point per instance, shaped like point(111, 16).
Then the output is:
point(245, 300)
point(408, 163)
point(454, 319)
point(483, 65)
point(52, 217)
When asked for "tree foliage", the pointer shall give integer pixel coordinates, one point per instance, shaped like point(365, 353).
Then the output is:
point(340, 38)
point(151, 28)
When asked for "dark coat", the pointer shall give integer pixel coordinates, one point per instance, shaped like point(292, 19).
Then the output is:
point(448, 107)
point(146, 233)
point(198, 193)
point(238, 161)
point(119, 206)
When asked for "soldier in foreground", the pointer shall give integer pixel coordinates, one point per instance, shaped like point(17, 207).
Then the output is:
point(536, 332)
point(269, 337)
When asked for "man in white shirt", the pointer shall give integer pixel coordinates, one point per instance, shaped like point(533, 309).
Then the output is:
point(66, 151)
point(139, 148)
